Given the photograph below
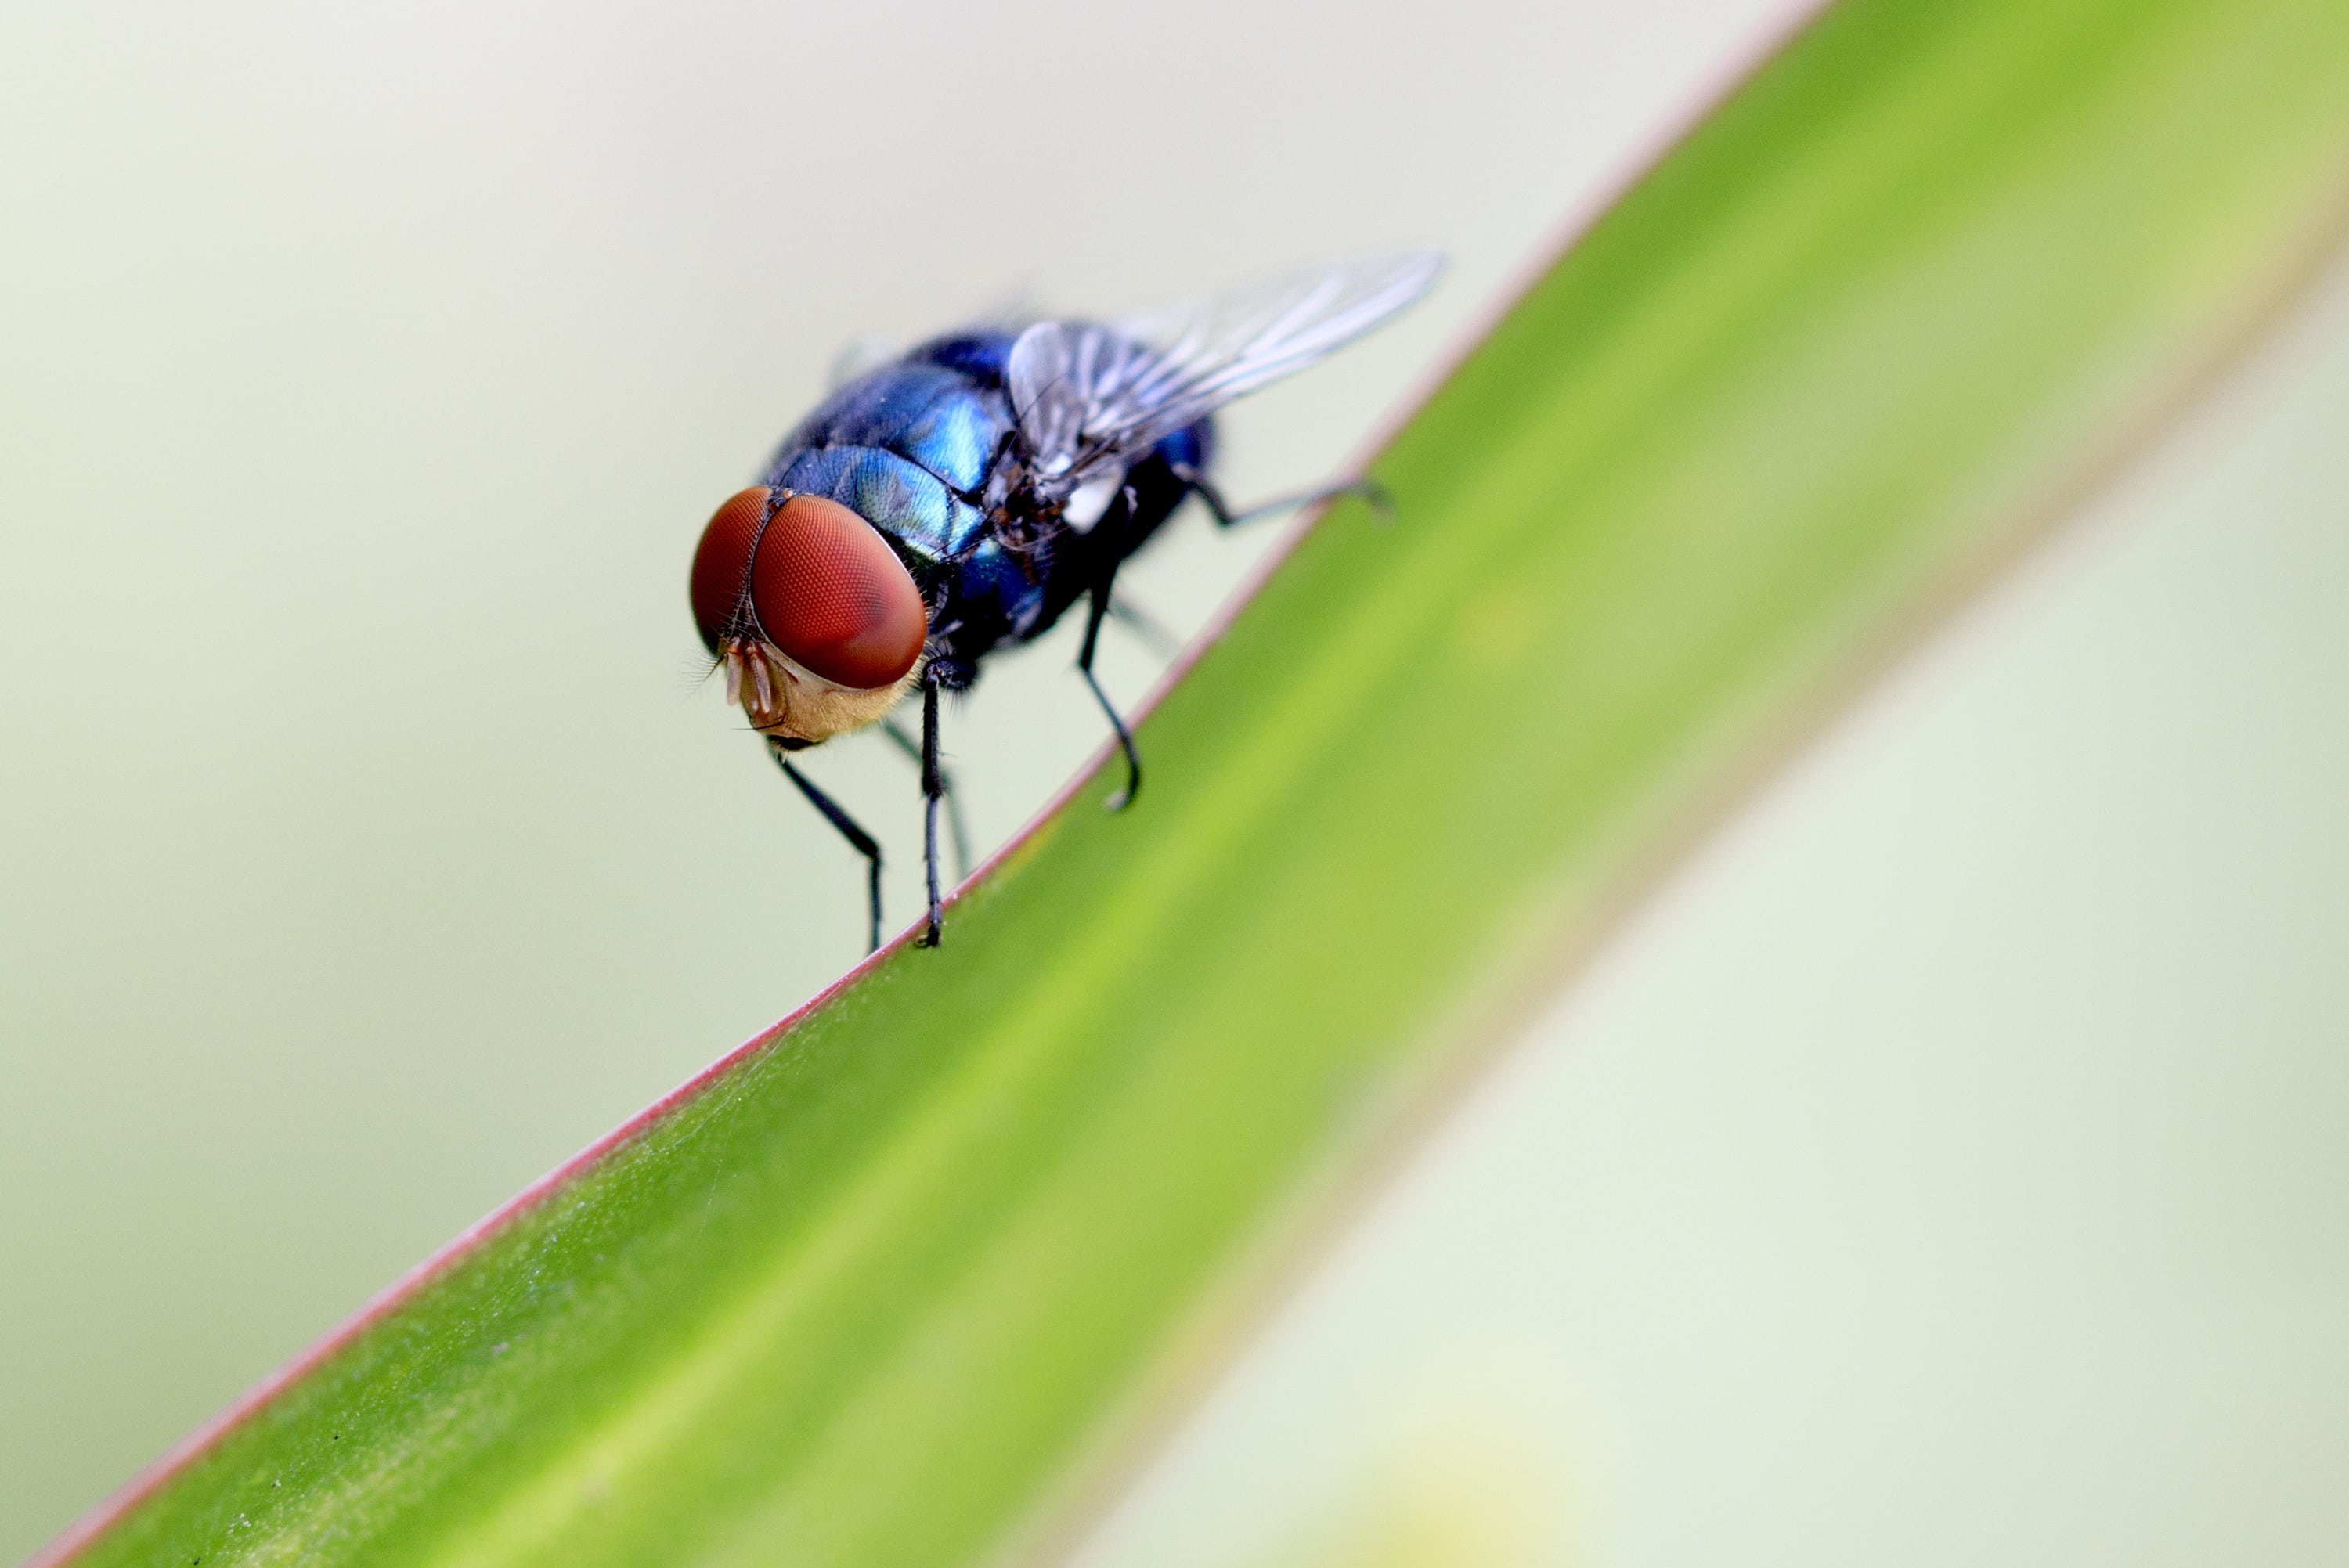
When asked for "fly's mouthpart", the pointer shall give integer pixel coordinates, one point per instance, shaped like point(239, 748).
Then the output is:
point(785, 700)
point(750, 683)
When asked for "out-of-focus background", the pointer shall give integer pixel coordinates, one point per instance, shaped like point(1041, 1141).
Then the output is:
point(1948, 1167)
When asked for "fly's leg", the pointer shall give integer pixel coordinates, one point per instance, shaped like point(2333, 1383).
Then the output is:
point(957, 833)
point(933, 791)
point(1095, 613)
point(845, 825)
point(1371, 491)
point(1148, 629)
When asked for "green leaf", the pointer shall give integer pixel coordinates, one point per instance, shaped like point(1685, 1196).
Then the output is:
point(889, 1287)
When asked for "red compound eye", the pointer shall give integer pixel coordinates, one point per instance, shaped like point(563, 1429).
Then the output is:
point(831, 595)
point(824, 589)
point(722, 568)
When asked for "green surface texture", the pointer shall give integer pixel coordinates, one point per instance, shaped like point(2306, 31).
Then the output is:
point(890, 1288)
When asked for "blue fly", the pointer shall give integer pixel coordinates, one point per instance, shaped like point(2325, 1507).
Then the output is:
point(966, 494)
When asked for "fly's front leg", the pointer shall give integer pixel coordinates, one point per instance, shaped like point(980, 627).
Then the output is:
point(957, 833)
point(933, 789)
point(1370, 491)
point(845, 825)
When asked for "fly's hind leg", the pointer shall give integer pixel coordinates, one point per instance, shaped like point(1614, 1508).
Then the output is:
point(862, 841)
point(1148, 630)
point(1370, 491)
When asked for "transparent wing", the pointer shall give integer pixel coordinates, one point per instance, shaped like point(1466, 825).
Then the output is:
point(1091, 398)
point(859, 358)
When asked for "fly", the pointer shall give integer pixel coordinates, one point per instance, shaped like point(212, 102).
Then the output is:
point(964, 495)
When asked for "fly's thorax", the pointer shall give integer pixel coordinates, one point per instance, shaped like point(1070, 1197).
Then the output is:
point(782, 698)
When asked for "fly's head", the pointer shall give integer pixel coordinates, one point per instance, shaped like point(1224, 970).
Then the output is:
point(816, 622)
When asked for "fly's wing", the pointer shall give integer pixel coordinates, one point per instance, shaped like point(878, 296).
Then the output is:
point(1092, 399)
point(857, 358)
point(861, 357)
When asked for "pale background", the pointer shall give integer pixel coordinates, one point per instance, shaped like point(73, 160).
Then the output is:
point(1947, 1167)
